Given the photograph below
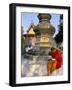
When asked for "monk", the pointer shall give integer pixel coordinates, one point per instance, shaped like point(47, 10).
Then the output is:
point(56, 61)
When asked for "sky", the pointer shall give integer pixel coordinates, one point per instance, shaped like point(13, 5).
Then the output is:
point(28, 18)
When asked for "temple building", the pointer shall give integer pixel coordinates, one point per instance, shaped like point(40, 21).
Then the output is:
point(30, 35)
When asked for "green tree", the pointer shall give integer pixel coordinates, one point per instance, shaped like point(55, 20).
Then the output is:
point(59, 37)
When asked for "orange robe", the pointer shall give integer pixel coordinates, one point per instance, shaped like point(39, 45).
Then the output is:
point(57, 55)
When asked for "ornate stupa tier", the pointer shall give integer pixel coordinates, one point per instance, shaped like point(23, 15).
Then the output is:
point(44, 17)
point(44, 25)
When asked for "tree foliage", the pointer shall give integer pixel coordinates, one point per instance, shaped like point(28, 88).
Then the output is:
point(59, 37)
